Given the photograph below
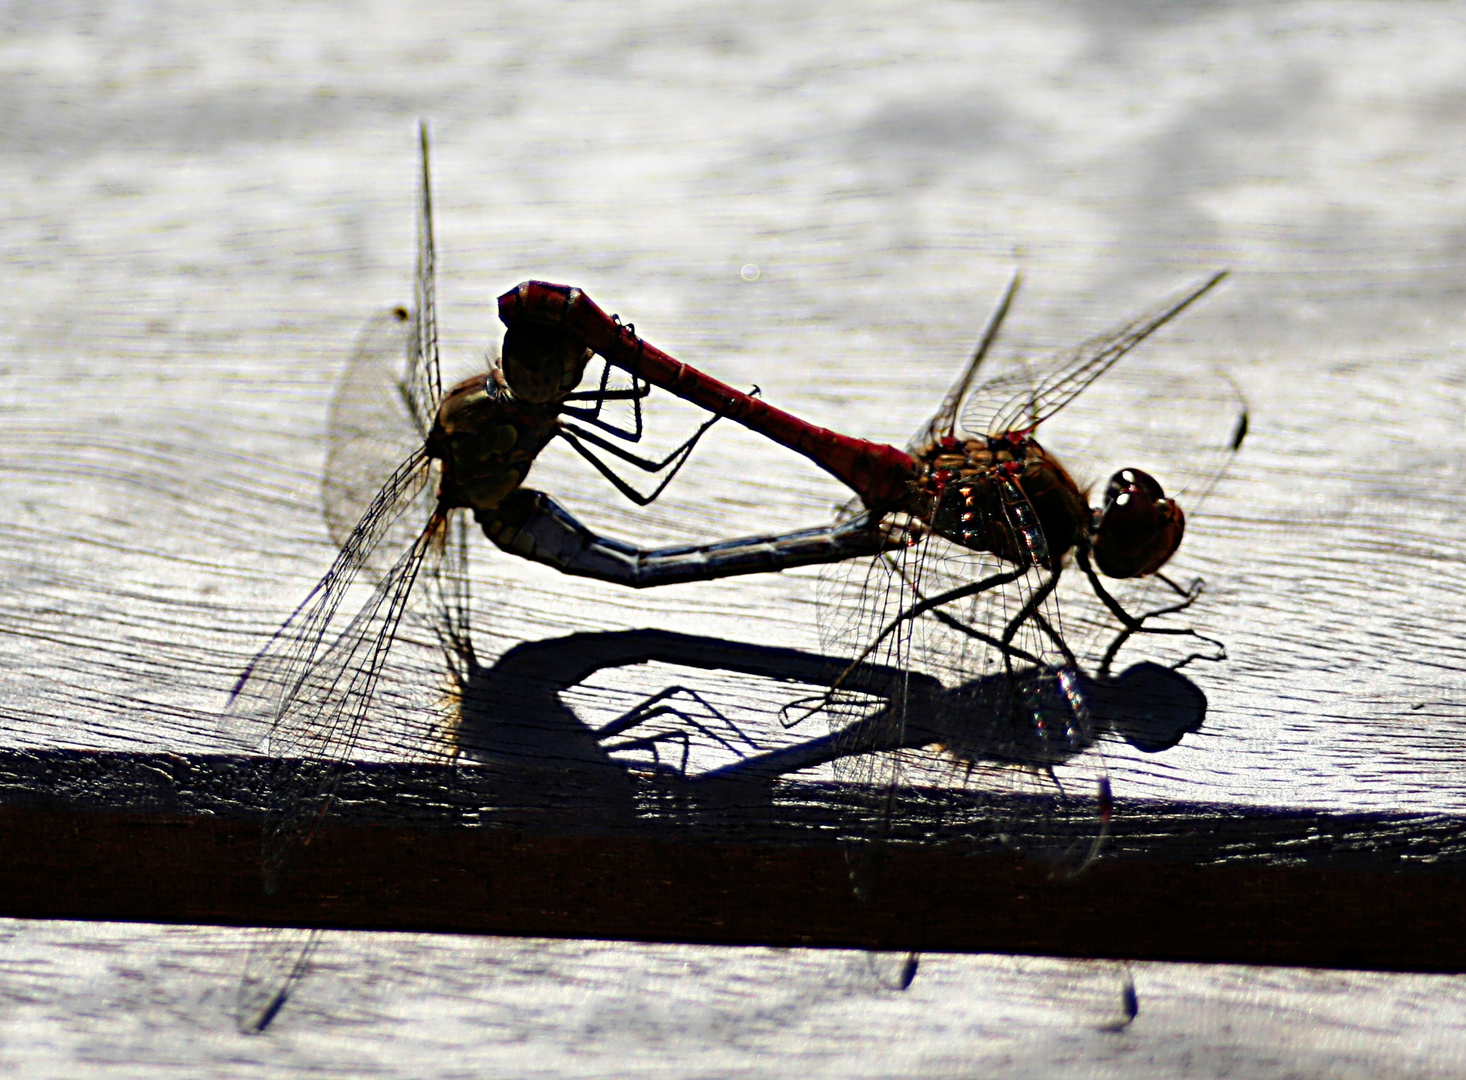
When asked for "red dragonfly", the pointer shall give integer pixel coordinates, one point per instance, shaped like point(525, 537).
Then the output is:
point(971, 531)
point(998, 493)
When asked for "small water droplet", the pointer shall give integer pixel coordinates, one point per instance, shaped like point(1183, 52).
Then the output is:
point(750, 272)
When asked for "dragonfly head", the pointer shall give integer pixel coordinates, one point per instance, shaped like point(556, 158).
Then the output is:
point(542, 363)
point(1137, 529)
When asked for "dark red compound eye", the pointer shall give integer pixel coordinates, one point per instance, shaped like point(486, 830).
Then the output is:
point(1138, 529)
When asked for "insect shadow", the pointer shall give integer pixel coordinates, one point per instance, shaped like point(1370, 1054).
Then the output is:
point(513, 711)
point(557, 771)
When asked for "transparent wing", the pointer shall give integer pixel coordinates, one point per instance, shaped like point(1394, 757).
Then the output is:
point(371, 431)
point(424, 384)
point(944, 423)
point(987, 710)
point(278, 958)
point(322, 725)
point(1022, 400)
point(305, 694)
point(447, 603)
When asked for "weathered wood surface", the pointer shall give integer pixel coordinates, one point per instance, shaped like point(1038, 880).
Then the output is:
point(542, 850)
point(204, 204)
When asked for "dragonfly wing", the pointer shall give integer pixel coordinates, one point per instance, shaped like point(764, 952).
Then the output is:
point(424, 382)
point(944, 423)
point(987, 707)
point(305, 694)
point(371, 431)
point(1023, 399)
point(881, 714)
point(445, 602)
point(382, 411)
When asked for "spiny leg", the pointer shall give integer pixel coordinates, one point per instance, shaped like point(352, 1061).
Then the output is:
point(638, 391)
point(1031, 610)
point(677, 458)
point(1133, 624)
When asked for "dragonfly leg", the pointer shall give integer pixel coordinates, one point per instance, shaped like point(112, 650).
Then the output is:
point(578, 437)
point(1010, 651)
point(1190, 593)
point(1033, 610)
point(637, 392)
point(1136, 624)
point(1048, 628)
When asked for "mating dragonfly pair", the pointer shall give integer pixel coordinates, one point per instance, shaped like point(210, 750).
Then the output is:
point(963, 536)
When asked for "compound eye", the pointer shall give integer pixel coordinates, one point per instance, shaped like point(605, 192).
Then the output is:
point(1133, 482)
point(1138, 529)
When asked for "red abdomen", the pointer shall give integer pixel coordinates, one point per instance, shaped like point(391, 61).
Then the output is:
point(881, 475)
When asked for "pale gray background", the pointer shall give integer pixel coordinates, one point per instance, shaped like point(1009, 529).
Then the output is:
point(205, 202)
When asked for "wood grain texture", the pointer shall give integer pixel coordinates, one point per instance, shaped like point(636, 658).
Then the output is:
point(205, 203)
point(537, 849)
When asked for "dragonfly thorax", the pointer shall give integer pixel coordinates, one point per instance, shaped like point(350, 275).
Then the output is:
point(490, 427)
point(987, 494)
point(486, 439)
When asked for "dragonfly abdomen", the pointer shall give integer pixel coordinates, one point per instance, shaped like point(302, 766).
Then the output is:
point(534, 526)
point(881, 475)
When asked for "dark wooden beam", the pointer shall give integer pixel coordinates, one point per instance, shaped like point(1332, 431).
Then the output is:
point(559, 851)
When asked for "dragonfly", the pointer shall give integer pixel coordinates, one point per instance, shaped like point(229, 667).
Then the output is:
point(400, 529)
point(967, 532)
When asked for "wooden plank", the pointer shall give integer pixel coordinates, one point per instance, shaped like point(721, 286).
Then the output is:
point(205, 205)
point(477, 850)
